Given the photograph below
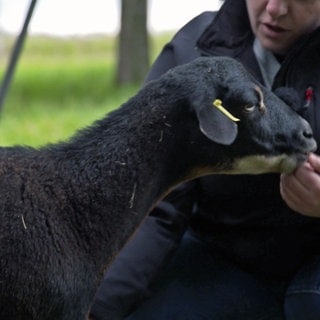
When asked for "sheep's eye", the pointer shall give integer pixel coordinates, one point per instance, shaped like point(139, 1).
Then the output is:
point(249, 108)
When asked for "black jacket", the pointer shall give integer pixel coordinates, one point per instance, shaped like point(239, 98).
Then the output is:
point(243, 217)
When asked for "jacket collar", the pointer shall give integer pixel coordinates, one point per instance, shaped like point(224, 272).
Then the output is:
point(303, 59)
point(229, 32)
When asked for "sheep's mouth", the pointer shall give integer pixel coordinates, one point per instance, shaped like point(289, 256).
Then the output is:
point(300, 157)
point(281, 162)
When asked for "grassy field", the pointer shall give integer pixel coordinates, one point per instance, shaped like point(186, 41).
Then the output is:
point(61, 85)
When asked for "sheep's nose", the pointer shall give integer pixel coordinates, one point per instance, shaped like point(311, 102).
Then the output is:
point(307, 131)
point(307, 136)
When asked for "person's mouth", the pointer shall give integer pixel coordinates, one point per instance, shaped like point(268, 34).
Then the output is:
point(272, 30)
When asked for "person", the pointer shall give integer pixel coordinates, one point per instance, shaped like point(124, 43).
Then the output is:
point(233, 247)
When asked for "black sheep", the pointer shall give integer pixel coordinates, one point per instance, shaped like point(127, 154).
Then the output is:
point(67, 209)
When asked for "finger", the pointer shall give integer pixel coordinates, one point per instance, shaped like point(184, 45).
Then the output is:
point(304, 177)
point(314, 161)
point(295, 184)
point(296, 196)
point(295, 203)
point(299, 198)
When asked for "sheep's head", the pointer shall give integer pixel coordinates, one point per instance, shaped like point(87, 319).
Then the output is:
point(255, 128)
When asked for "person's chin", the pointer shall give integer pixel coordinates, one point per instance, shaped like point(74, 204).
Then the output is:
point(272, 45)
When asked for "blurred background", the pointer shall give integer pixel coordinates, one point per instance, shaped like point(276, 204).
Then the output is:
point(78, 59)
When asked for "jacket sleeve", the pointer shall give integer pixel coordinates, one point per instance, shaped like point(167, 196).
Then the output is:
point(127, 280)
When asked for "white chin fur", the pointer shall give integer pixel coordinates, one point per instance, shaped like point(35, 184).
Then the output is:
point(265, 164)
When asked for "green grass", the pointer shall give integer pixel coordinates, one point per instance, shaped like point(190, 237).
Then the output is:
point(61, 85)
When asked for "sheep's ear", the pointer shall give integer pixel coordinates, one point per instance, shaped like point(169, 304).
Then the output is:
point(217, 125)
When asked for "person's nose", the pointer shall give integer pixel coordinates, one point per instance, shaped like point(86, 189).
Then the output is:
point(277, 8)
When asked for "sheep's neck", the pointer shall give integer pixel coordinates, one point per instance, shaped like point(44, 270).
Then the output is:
point(139, 170)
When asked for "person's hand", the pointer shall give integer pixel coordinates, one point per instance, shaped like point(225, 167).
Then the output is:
point(301, 189)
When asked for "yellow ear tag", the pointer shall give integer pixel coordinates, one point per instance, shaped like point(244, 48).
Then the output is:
point(218, 104)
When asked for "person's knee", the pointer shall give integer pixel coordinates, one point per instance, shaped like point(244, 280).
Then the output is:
point(302, 303)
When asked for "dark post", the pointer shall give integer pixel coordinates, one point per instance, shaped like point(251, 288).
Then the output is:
point(15, 54)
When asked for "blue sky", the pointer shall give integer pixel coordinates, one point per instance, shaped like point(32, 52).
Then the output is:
point(69, 17)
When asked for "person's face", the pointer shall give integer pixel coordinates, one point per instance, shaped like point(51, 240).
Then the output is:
point(278, 24)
